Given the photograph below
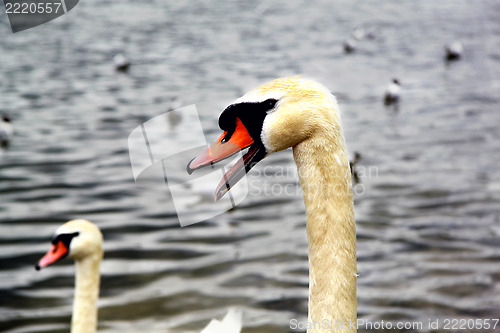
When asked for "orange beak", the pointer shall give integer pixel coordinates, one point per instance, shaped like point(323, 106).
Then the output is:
point(221, 149)
point(56, 252)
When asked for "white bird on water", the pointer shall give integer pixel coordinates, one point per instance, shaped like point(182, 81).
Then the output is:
point(454, 50)
point(392, 92)
point(82, 241)
point(358, 33)
point(121, 62)
point(6, 131)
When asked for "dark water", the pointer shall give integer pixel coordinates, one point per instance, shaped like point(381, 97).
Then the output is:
point(428, 213)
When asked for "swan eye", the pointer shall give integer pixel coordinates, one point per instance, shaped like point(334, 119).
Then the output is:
point(270, 104)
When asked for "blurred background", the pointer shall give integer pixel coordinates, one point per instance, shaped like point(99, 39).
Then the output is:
point(427, 201)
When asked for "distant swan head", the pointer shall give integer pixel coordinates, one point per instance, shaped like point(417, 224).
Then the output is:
point(77, 239)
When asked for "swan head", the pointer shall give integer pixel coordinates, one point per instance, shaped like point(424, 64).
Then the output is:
point(277, 115)
point(77, 239)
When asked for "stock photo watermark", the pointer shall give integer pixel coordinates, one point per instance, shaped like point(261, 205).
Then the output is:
point(452, 324)
point(168, 143)
point(27, 14)
point(278, 180)
point(164, 146)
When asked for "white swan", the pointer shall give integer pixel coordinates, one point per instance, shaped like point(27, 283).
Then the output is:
point(302, 114)
point(81, 240)
point(6, 131)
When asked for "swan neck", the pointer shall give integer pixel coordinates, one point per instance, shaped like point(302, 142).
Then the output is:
point(87, 283)
point(325, 178)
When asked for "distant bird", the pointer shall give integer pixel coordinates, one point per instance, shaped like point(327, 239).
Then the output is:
point(392, 93)
point(352, 164)
point(82, 241)
point(358, 33)
point(349, 45)
point(121, 62)
point(371, 33)
point(454, 50)
point(6, 131)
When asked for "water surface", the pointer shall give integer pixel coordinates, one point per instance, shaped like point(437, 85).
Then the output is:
point(426, 208)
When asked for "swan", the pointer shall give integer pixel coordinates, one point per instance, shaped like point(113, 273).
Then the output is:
point(302, 114)
point(6, 130)
point(82, 241)
point(392, 92)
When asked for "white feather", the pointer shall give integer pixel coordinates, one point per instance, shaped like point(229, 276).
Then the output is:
point(230, 324)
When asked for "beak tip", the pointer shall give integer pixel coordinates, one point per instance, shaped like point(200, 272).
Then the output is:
point(221, 191)
point(188, 167)
point(37, 267)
